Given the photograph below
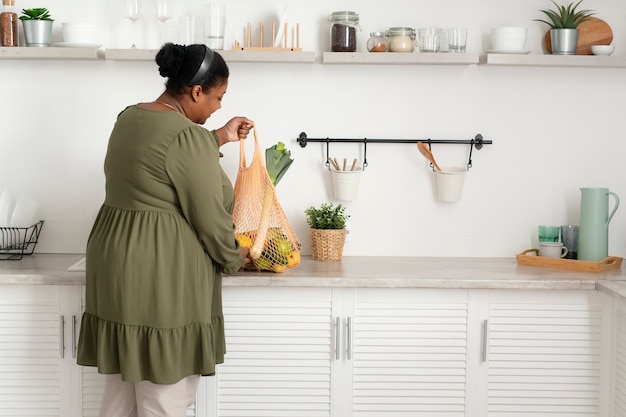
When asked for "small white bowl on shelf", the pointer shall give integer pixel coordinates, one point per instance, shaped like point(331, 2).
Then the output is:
point(602, 49)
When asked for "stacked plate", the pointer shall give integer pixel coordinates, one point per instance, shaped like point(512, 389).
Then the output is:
point(17, 212)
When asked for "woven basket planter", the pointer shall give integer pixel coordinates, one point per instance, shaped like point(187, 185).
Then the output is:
point(327, 244)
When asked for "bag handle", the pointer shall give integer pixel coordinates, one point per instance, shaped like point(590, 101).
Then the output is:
point(242, 150)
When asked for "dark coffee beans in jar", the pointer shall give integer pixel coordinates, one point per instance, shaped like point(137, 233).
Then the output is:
point(343, 31)
point(343, 38)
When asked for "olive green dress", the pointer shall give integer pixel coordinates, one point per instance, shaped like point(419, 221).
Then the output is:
point(155, 254)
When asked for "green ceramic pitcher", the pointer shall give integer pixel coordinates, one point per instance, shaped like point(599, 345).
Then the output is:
point(593, 231)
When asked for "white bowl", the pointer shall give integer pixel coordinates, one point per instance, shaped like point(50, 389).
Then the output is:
point(77, 32)
point(509, 38)
point(602, 49)
point(25, 212)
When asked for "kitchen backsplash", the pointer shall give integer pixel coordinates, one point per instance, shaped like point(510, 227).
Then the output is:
point(554, 129)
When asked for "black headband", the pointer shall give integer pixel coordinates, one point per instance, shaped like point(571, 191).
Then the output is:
point(204, 67)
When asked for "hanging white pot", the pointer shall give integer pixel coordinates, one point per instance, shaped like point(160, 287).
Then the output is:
point(346, 183)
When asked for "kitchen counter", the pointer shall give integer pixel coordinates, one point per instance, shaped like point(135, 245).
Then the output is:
point(355, 272)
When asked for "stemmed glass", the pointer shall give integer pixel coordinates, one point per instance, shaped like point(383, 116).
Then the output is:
point(132, 11)
point(163, 10)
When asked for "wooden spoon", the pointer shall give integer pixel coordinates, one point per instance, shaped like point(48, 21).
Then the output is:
point(427, 154)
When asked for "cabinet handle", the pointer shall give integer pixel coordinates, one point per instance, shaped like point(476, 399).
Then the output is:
point(337, 336)
point(484, 346)
point(349, 338)
point(62, 338)
point(73, 336)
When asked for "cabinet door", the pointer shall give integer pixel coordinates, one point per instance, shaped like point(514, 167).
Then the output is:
point(409, 353)
point(619, 382)
point(547, 352)
point(278, 360)
point(35, 351)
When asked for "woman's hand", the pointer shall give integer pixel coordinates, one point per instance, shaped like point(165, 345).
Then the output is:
point(245, 254)
point(236, 129)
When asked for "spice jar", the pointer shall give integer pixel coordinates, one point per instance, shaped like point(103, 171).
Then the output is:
point(343, 28)
point(377, 42)
point(8, 24)
point(401, 39)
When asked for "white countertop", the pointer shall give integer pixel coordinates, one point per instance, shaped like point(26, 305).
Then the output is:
point(355, 272)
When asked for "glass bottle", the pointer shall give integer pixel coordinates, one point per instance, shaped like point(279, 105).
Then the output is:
point(8, 24)
point(343, 29)
point(377, 42)
point(401, 39)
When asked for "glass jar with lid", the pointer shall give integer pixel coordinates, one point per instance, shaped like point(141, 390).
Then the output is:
point(343, 28)
point(401, 39)
point(378, 42)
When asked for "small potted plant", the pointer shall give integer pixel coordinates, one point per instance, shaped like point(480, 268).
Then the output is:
point(564, 21)
point(327, 228)
point(37, 24)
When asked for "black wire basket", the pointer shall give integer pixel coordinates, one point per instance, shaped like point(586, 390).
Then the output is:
point(16, 242)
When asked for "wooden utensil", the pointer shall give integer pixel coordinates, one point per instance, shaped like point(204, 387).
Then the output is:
point(593, 31)
point(427, 154)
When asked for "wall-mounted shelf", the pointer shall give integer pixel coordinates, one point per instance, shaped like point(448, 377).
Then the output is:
point(549, 60)
point(70, 53)
point(345, 58)
point(406, 58)
point(229, 56)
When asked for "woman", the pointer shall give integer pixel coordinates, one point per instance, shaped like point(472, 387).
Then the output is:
point(153, 315)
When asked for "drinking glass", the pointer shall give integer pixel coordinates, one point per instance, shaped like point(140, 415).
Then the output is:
point(132, 11)
point(163, 10)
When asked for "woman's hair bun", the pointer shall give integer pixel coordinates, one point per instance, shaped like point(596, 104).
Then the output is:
point(170, 59)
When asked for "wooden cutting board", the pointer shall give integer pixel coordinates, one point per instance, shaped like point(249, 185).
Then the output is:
point(593, 31)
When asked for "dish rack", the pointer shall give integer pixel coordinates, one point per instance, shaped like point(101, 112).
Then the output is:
point(16, 242)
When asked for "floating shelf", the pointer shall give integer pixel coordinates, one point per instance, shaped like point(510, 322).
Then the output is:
point(406, 58)
point(52, 52)
point(229, 56)
point(549, 60)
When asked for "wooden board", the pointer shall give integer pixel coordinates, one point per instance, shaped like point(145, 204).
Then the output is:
point(593, 31)
point(530, 257)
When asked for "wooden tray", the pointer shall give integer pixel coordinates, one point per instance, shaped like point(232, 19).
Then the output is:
point(610, 262)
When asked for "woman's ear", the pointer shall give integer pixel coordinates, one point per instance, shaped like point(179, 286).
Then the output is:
point(196, 91)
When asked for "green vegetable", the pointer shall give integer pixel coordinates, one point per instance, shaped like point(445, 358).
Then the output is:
point(277, 161)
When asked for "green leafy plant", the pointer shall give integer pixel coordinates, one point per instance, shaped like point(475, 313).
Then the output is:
point(565, 17)
point(327, 216)
point(38, 13)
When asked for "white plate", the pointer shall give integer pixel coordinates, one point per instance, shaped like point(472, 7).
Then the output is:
point(7, 202)
point(280, 34)
point(25, 212)
point(499, 51)
point(77, 45)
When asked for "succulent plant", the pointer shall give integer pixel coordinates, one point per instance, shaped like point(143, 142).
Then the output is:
point(565, 17)
point(38, 13)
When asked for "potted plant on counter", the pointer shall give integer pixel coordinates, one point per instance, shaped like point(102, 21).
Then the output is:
point(37, 24)
point(327, 228)
point(564, 21)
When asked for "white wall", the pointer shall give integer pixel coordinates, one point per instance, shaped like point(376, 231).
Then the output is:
point(554, 129)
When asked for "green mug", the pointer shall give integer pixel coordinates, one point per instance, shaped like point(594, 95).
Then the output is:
point(548, 233)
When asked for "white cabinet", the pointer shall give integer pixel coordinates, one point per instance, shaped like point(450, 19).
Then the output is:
point(414, 352)
point(38, 327)
point(279, 353)
point(351, 352)
point(547, 353)
point(619, 360)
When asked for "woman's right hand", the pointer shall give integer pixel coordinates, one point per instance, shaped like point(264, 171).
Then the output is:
point(234, 130)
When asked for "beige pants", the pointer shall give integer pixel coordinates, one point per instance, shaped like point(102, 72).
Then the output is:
point(146, 399)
